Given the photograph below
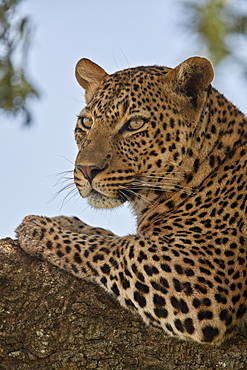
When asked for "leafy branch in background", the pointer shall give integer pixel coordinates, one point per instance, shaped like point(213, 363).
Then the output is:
point(15, 89)
point(219, 25)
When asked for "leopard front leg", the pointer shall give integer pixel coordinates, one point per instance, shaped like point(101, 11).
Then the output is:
point(55, 240)
point(76, 225)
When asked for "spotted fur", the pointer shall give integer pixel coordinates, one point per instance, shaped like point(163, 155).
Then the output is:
point(173, 147)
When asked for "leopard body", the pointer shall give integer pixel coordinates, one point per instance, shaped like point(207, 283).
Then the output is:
point(172, 146)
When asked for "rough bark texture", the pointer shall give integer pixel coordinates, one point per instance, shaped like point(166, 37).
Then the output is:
point(51, 320)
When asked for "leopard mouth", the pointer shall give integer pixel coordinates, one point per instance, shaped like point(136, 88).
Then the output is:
point(99, 200)
point(96, 198)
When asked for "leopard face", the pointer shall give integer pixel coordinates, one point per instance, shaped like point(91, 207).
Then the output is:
point(133, 136)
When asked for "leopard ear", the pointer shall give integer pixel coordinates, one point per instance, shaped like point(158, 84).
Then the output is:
point(191, 77)
point(89, 76)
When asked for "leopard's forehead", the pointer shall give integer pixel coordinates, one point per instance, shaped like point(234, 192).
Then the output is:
point(141, 71)
point(137, 75)
point(124, 88)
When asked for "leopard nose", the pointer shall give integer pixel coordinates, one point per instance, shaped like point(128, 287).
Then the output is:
point(89, 172)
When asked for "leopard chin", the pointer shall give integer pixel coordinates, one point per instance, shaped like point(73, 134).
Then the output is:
point(98, 200)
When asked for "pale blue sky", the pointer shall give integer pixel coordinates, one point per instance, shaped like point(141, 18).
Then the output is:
point(114, 34)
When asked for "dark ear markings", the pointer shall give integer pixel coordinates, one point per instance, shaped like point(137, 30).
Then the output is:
point(194, 101)
point(191, 78)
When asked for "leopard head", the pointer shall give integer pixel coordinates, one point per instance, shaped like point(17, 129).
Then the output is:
point(138, 124)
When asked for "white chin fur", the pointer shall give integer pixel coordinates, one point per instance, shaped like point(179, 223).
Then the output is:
point(98, 200)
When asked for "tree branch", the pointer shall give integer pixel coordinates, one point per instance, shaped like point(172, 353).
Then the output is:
point(51, 320)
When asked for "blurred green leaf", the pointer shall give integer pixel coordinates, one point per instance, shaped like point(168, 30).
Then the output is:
point(216, 22)
point(16, 91)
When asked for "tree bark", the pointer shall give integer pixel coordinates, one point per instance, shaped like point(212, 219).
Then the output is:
point(51, 320)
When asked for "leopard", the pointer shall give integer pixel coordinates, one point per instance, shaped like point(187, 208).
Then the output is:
point(167, 143)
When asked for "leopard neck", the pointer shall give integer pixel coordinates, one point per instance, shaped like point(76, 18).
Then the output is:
point(217, 135)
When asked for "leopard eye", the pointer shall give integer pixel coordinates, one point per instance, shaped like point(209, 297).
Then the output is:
point(135, 124)
point(86, 122)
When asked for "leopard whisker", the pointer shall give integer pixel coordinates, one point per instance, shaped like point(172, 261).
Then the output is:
point(61, 156)
point(69, 185)
point(124, 196)
point(141, 196)
point(141, 184)
point(66, 187)
point(129, 198)
point(159, 178)
point(71, 194)
point(63, 180)
point(160, 173)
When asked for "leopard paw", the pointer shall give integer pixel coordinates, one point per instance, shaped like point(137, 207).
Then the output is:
point(32, 232)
